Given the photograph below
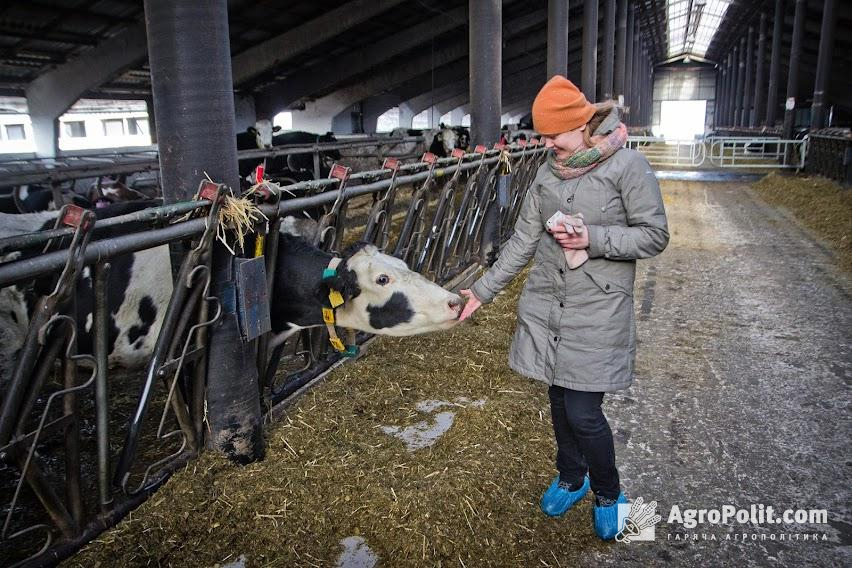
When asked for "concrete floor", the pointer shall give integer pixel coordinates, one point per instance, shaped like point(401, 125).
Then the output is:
point(743, 386)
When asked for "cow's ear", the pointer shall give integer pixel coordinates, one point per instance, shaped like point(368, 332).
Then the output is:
point(251, 130)
point(276, 128)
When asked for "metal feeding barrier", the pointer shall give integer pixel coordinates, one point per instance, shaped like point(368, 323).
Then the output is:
point(757, 152)
point(830, 154)
point(78, 452)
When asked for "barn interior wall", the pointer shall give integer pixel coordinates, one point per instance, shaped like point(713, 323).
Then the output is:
point(245, 112)
point(685, 84)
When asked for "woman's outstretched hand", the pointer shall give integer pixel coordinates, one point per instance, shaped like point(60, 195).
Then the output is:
point(471, 306)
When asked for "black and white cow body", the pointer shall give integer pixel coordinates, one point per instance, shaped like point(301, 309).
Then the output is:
point(284, 169)
point(34, 198)
point(439, 141)
point(382, 295)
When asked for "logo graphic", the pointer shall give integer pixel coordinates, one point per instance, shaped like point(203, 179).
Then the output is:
point(637, 521)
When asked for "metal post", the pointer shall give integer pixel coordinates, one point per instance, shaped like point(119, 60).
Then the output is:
point(190, 58)
point(590, 49)
point(152, 119)
point(760, 75)
point(620, 51)
point(557, 38)
point(826, 41)
point(726, 92)
point(101, 347)
point(628, 61)
point(793, 76)
point(749, 78)
point(774, 64)
point(608, 50)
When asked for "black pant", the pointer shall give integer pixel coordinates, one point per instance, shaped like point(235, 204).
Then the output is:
point(584, 440)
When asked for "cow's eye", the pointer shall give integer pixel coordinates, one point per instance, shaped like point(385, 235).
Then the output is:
point(382, 279)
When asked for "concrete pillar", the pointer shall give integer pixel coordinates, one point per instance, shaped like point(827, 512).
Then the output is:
point(760, 75)
point(374, 107)
point(457, 114)
point(730, 89)
point(748, 88)
point(485, 40)
point(826, 42)
point(774, 64)
point(795, 61)
point(739, 80)
point(590, 49)
point(608, 63)
point(620, 50)
point(244, 112)
point(406, 115)
point(557, 38)
point(152, 118)
point(628, 61)
point(190, 58)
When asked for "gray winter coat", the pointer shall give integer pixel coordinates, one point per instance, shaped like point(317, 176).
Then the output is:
point(576, 328)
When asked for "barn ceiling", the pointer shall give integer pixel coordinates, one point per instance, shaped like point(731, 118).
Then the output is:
point(38, 36)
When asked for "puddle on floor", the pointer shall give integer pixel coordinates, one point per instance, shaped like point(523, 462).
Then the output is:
point(424, 433)
point(356, 554)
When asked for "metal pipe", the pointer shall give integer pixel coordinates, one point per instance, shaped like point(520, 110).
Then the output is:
point(793, 76)
point(590, 49)
point(826, 42)
point(73, 488)
point(101, 348)
point(25, 269)
point(557, 38)
point(620, 52)
point(608, 50)
point(739, 72)
point(748, 88)
point(774, 64)
point(760, 78)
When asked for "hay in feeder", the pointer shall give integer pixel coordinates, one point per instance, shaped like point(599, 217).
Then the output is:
point(332, 471)
point(820, 204)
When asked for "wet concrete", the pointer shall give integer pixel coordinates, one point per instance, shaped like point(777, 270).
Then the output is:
point(356, 554)
point(424, 433)
point(742, 391)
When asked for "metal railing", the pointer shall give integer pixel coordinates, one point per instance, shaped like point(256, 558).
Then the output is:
point(431, 214)
point(664, 152)
point(757, 152)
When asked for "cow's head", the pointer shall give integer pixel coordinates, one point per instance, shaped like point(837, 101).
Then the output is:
point(383, 296)
point(263, 131)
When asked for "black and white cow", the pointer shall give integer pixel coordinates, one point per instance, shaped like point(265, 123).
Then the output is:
point(381, 294)
point(439, 141)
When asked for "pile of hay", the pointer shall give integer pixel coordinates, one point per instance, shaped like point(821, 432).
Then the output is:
point(821, 205)
point(331, 472)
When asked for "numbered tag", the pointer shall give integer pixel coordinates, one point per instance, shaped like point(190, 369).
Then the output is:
point(258, 174)
point(336, 343)
point(534, 141)
point(208, 190)
point(328, 315)
point(339, 172)
point(390, 164)
point(480, 149)
point(521, 142)
point(429, 158)
point(499, 146)
point(458, 153)
point(335, 298)
point(73, 215)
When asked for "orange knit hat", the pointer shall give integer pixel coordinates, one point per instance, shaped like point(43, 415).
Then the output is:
point(560, 107)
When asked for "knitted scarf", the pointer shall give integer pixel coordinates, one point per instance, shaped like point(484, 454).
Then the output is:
point(614, 136)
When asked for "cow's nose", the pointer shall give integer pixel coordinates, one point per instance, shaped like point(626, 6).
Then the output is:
point(455, 303)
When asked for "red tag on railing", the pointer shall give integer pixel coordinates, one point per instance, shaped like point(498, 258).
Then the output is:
point(258, 173)
point(499, 146)
point(208, 190)
point(390, 164)
point(480, 149)
point(339, 172)
point(429, 158)
point(534, 141)
point(73, 215)
point(458, 153)
point(521, 142)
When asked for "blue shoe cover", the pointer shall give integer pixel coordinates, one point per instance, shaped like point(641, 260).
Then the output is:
point(556, 500)
point(606, 519)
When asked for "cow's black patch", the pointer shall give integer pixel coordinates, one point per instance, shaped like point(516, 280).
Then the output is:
point(147, 315)
point(395, 311)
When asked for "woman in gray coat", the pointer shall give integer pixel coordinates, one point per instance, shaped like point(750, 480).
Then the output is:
point(576, 328)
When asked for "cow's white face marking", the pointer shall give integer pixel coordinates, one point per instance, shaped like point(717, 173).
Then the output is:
point(263, 133)
point(393, 300)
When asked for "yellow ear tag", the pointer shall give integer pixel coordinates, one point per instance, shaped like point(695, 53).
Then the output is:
point(336, 298)
point(328, 315)
point(337, 344)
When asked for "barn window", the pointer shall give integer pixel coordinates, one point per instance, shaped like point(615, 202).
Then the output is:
point(388, 120)
point(421, 120)
point(75, 129)
point(15, 132)
point(114, 127)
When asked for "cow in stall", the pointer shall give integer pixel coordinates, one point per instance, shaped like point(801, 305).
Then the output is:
point(381, 295)
point(32, 198)
point(439, 141)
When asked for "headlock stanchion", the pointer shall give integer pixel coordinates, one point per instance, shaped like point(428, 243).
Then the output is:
point(440, 237)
